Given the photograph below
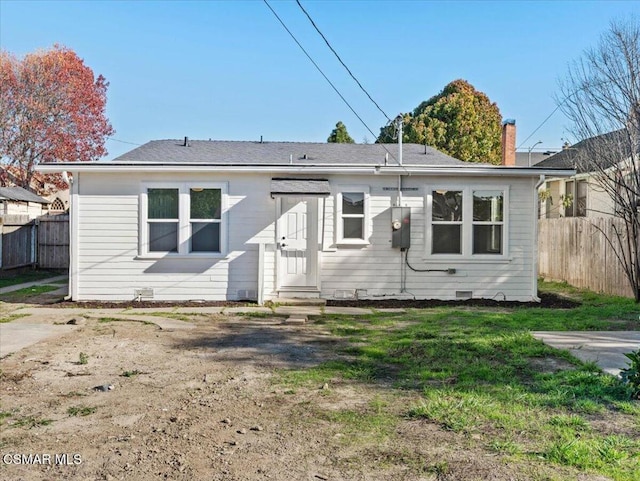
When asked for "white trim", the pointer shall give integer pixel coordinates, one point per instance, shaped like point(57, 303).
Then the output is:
point(446, 170)
point(184, 220)
point(467, 224)
point(366, 217)
point(74, 206)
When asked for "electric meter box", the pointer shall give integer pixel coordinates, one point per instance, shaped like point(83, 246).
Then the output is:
point(401, 227)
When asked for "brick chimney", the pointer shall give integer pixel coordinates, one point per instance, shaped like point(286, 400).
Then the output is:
point(509, 142)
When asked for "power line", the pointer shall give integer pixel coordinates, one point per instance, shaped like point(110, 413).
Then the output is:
point(340, 60)
point(329, 81)
point(540, 126)
point(123, 141)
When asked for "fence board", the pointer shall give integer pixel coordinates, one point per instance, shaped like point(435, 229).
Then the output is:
point(53, 241)
point(18, 241)
point(574, 250)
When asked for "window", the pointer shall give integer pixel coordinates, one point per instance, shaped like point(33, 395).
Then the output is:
point(182, 219)
point(581, 199)
point(352, 218)
point(466, 222)
point(446, 212)
point(488, 208)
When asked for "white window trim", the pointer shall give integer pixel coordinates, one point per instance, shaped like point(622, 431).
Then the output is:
point(467, 224)
point(184, 220)
point(340, 240)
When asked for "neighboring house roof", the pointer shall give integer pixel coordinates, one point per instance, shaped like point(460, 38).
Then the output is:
point(522, 158)
point(297, 153)
point(571, 157)
point(20, 195)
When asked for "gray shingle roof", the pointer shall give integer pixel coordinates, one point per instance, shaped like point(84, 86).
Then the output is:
point(279, 153)
point(609, 146)
point(21, 195)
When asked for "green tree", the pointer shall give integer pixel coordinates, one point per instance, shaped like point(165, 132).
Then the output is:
point(339, 135)
point(459, 121)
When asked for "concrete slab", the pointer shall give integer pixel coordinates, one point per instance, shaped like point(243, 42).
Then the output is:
point(298, 310)
point(247, 310)
point(349, 311)
point(296, 320)
point(15, 336)
point(200, 310)
point(391, 310)
point(283, 301)
point(605, 348)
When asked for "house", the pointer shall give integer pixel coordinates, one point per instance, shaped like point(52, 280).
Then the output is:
point(50, 187)
point(215, 220)
point(19, 201)
point(582, 194)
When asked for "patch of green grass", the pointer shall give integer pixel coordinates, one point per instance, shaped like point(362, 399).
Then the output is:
point(72, 394)
point(81, 410)
point(12, 317)
point(28, 276)
point(358, 426)
point(83, 358)
point(132, 373)
point(22, 295)
point(482, 373)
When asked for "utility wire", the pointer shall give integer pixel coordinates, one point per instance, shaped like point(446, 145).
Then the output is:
point(330, 83)
point(123, 141)
point(543, 122)
point(340, 60)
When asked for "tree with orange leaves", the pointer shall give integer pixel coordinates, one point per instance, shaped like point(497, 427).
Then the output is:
point(52, 108)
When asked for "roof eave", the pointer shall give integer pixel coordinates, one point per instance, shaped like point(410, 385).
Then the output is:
point(361, 169)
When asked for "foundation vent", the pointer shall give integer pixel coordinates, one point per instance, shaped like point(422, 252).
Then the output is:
point(143, 293)
point(464, 295)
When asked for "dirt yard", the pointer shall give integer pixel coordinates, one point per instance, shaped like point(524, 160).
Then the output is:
point(209, 403)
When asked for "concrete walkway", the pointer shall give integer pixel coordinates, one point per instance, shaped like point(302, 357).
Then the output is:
point(16, 335)
point(605, 348)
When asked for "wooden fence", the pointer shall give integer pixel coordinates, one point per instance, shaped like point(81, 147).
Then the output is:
point(18, 241)
point(575, 251)
point(53, 241)
point(42, 242)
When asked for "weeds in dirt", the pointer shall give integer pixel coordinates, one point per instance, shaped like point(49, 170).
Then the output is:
point(104, 320)
point(31, 422)
point(83, 358)
point(631, 374)
point(12, 317)
point(482, 374)
point(72, 394)
point(135, 372)
point(81, 410)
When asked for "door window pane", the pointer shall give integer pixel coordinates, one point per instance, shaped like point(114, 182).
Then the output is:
point(162, 203)
point(447, 239)
point(163, 237)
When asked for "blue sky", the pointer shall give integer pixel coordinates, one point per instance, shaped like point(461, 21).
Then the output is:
point(227, 70)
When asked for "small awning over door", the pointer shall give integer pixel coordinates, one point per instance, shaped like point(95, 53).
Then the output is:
point(300, 187)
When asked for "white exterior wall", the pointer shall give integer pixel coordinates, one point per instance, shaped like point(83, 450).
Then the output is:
point(109, 266)
point(31, 209)
point(108, 221)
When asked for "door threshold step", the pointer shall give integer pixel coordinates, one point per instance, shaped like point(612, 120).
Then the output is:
point(300, 301)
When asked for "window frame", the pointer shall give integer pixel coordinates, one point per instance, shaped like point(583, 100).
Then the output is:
point(184, 220)
point(366, 222)
point(467, 223)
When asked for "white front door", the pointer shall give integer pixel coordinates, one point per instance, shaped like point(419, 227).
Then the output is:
point(298, 242)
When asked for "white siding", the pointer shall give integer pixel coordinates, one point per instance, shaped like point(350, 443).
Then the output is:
point(110, 269)
point(109, 266)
